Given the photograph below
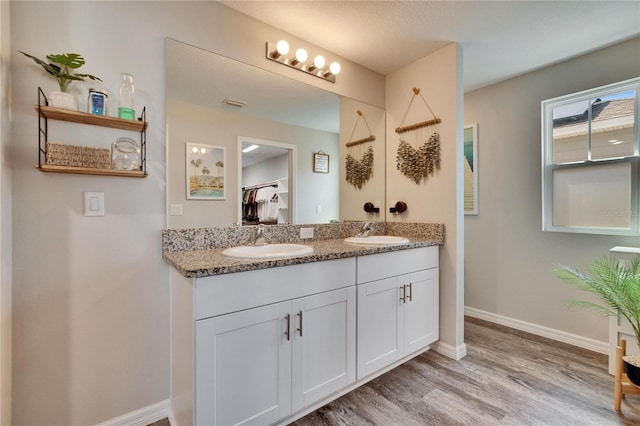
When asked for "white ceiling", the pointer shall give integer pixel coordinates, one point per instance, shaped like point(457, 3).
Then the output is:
point(500, 39)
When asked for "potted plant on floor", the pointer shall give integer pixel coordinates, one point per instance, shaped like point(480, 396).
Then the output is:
point(62, 66)
point(618, 287)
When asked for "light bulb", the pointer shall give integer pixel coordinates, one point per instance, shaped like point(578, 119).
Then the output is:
point(334, 68)
point(318, 61)
point(194, 150)
point(301, 55)
point(282, 47)
point(203, 151)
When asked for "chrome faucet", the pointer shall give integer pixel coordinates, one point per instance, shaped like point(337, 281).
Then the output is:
point(258, 237)
point(364, 231)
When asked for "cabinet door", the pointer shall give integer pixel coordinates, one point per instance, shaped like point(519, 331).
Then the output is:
point(421, 309)
point(324, 351)
point(380, 336)
point(243, 365)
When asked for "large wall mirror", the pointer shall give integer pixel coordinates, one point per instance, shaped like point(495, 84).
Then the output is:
point(214, 101)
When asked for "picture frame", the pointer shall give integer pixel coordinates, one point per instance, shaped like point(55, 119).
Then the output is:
point(205, 172)
point(471, 169)
point(320, 162)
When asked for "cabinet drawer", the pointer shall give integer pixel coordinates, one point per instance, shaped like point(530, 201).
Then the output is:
point(222, 294)
point(383, 265)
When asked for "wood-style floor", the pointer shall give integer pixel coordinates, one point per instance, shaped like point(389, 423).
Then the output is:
point(507, 378)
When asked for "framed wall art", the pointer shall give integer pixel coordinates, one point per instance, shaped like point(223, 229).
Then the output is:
point(205, 172)
point(320, 162)
point(471, 169)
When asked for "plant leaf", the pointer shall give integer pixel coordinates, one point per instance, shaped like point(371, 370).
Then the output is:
point(617, 285)
point(70, 60)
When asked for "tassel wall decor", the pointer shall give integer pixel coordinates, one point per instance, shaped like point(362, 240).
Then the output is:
point(418, 154)
point(358, 172)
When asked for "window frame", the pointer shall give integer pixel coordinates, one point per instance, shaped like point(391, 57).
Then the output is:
point(548, 166)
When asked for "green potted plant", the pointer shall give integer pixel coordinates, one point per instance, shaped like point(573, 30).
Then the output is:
point(62, 66)
point(617, 285)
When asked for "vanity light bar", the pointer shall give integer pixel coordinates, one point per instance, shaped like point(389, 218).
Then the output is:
point(279, 53)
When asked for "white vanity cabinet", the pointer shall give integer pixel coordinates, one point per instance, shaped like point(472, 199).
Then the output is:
point(397, 311)
point(267, 346)
point(261, 364)
point(243, 367)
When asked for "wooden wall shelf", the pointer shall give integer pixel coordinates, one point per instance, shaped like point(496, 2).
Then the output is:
point(46, 113)
point(92, 119)
point(91, 171)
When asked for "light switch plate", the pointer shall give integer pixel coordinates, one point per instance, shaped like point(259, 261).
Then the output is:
point(176, 210)
point(94, 203)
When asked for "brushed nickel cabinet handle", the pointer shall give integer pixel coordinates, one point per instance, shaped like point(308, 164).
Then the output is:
point(300, 329)
point(410, 296)
point(403, 298)
point(287, 332)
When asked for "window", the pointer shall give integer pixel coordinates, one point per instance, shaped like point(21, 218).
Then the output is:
point(590, 154)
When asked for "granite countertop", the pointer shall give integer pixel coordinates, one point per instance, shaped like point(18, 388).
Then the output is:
point(206, 262)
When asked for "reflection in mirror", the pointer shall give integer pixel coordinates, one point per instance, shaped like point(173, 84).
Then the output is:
point(214, 100)
point(266, 177)
point(354, 127)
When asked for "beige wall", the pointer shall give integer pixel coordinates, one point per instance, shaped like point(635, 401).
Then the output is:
point(508, 259)
point(5, 219)
point(439, 198)
point(91, 295)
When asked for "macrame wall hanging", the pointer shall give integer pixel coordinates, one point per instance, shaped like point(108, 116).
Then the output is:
point(359, 171)
point(418, 154)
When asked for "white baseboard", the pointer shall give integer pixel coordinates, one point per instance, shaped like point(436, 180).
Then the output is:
point(539, 330)
point(141, 417)
point(172, 421)
point(450, 351)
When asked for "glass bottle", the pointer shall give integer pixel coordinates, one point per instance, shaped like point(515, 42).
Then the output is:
point(125, 100)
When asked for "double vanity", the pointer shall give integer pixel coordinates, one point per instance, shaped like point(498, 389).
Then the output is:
point(266, 334)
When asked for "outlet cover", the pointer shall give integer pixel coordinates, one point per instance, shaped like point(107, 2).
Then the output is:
point(306, 233)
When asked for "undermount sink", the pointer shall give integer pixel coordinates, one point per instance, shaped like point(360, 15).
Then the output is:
point(377, 241)
point(268, 251)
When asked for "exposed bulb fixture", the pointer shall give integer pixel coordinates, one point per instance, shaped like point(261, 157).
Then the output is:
point(278, 53)
point(282, 48)
point(300, 56)
point(318, 63)
point(334, 69)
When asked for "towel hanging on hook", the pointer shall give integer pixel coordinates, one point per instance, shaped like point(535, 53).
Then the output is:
point(358, 172)
point(418, 154)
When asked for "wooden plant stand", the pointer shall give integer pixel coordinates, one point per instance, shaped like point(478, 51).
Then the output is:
point(622, 385)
